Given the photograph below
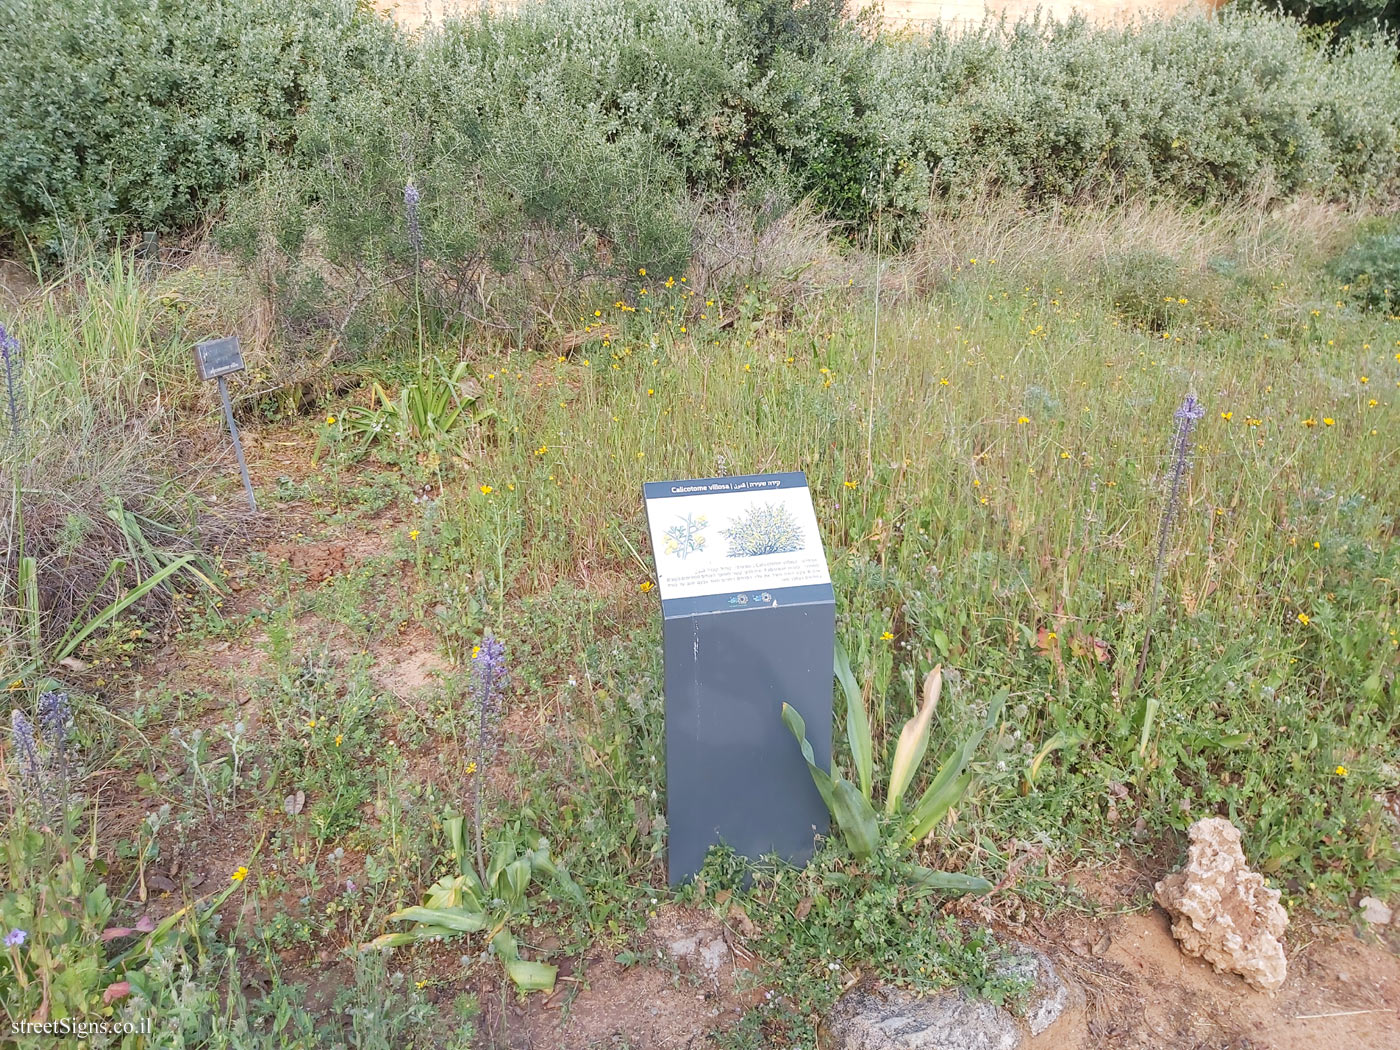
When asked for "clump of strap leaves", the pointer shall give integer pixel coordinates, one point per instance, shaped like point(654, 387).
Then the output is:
point(488, 901)
point(853, 803)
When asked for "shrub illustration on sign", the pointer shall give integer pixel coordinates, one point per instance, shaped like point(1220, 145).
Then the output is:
point(687, 536)
point(765, 528)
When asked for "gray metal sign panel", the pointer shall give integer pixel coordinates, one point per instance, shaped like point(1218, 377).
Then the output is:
point(218, 357)
point(749, 621)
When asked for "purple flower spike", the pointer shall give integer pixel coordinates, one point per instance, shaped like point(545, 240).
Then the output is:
point(22, 730)
point(489, 680)
point(411, 197)
point(11, 362)
point(1190, 410)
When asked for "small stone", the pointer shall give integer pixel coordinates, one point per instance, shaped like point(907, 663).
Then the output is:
point(1222, 911)
point(881, 1018)
point(1049, 995)
point(1375, 912)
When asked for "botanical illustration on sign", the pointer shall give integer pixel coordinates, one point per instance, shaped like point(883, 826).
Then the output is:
point(687, 536)
point(765, 528)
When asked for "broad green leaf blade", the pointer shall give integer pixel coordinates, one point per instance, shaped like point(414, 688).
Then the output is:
point(913, 742)
point(531, 976)
point(951, 782)
point(926, 880)
point(29, 603)
point(517, 880)
point(390, 940)
point(545, 864)
point(857, 722)
point(502, 854)
point(79, 634)
point(820, 777)
point(456, 919)
point(1066, 738)
point(856, 818)
point(933, 806)
point(456, 827)
point(456, 892)
point(408, 938)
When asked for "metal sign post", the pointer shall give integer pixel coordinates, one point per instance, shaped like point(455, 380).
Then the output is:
point(215, 359)
point(749, 622)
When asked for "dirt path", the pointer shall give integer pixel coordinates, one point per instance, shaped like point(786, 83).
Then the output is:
point(1139, 993)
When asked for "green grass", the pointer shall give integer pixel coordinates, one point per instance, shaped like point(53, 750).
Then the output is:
point(988, 475)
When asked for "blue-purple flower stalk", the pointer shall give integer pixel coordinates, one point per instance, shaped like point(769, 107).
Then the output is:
point(12, 361)
point(490, 678)
point(42, 747)
point(26, 748)
point(55, 717)
point(1186, 418)
point(411, 198)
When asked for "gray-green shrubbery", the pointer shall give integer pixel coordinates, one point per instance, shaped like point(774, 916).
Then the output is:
point(568, 139)
point(140, 114)
point(1202, 108)
point(565, 141)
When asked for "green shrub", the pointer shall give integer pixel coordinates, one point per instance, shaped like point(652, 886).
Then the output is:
point(579, 123)
point(138, 114)
point(1371, 267)
point(1342, 16)
point(1202, 108)
point(528, 183)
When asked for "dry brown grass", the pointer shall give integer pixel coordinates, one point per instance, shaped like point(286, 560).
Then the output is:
point(1257, 234)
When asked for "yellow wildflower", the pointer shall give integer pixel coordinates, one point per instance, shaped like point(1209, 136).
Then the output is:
point(240, 874)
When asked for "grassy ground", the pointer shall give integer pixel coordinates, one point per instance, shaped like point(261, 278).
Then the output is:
point(989, 452)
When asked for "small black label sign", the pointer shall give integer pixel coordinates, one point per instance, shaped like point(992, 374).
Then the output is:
point(218, 357)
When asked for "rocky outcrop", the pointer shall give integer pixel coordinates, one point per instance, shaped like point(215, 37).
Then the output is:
point(880, 1017)
point(1223, 912)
